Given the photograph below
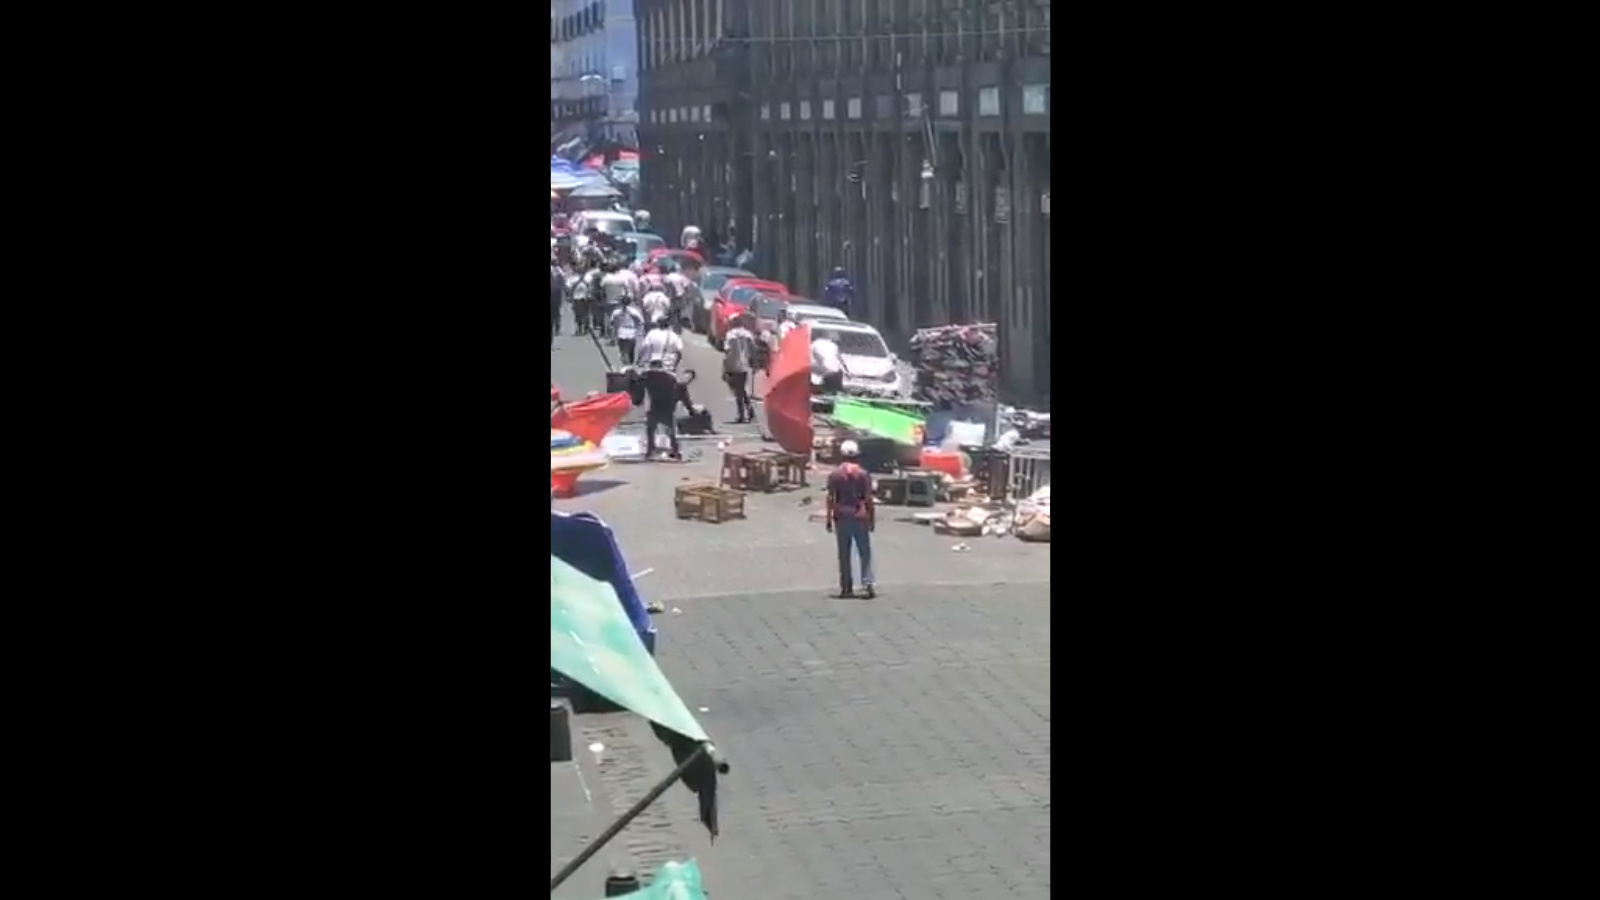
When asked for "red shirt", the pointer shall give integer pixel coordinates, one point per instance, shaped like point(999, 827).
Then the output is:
point(850, 492)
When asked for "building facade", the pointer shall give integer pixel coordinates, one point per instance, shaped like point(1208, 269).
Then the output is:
point(905, 140)
point(594, 71)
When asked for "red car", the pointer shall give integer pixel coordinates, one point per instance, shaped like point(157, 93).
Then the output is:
point(733, 299)
point(670, 260)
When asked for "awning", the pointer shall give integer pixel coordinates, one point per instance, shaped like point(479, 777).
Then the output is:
point(896, 425)
point(593, 643)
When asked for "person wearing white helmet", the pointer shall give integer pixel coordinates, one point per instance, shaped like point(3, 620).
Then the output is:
point(641, 222)
point(691, 238)
point(851, 518)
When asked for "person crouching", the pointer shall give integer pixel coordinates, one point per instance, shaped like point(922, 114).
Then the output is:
point(661, 393)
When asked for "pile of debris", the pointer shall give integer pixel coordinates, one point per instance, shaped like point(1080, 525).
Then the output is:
point(1028, 424)
point(1029, 520)
point(956, 364)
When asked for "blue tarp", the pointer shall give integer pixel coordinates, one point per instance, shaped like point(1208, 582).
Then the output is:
point(583, 541)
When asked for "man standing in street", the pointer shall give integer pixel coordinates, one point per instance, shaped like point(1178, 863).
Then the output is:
point(659, 346)
point(738, 361)
point(679, 287)
point(656, 304)
point(851, 518)
point(839, 292)
point(558, 291)
point(616, 286)
point(626, 321)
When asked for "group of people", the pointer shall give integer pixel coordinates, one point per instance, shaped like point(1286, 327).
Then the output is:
point(613, 299)
point(643, 310)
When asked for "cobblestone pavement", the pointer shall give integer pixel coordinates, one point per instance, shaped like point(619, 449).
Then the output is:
point(895, 748)
point(898, 748)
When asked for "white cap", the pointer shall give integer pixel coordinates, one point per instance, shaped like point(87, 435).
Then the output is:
point(849, 448)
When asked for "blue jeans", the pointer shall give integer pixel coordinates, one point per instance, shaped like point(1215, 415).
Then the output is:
point(854, 532)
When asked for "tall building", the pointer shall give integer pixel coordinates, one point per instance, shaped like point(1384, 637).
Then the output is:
point(594, 73)
point(905, 140)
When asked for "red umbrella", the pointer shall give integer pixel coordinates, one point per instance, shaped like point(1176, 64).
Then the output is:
point(788, 399)
point(591, 419)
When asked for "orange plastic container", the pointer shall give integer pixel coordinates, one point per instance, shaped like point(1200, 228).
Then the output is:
point(952, 464)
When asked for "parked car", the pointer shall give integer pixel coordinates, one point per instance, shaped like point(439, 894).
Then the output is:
point(870, 369)
point(731, 300)
point(608, 221)
point(803, 310)
point(642, 243)
point(671, 260)
point(712, 278)
point(765, 308)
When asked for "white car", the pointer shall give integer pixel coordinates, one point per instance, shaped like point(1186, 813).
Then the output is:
point(869, 368)
point(604, 220)
point(815, 312)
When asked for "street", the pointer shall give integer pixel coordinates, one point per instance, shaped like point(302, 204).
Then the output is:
point(892, 748)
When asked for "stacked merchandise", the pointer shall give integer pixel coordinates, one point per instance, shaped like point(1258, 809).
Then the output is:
point(957, 365)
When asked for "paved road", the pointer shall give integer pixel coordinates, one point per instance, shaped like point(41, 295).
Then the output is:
point(895, 748)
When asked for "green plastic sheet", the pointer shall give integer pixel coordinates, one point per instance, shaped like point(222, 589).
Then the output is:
point(895, 425)
point(593, 643)
point(673, 881)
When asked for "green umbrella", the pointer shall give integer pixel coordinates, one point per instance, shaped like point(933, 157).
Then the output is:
point(894, 424)
point(593, 643)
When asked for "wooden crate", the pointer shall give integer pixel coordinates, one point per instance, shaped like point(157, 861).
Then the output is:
point(763, 471)
point(706, 502)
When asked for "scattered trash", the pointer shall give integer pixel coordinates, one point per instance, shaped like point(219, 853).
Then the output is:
point(676, 611)
point(623, 446)
point(597, 747)
point(806, 501)
point(961, 548)
point(1033, 517)
point(705, 709)
point(972, 521)
point(654, 606)
point(641, 574)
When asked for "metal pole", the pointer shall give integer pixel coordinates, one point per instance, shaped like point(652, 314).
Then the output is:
point(627, 817)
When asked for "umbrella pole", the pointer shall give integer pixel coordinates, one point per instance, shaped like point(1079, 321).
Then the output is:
point(616, 827)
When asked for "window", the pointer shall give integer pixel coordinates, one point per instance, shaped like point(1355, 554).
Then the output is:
point(852, 342)
point(989, 101)
point(1036, 99)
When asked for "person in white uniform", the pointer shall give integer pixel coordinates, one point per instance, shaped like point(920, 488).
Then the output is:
point(826, 365)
